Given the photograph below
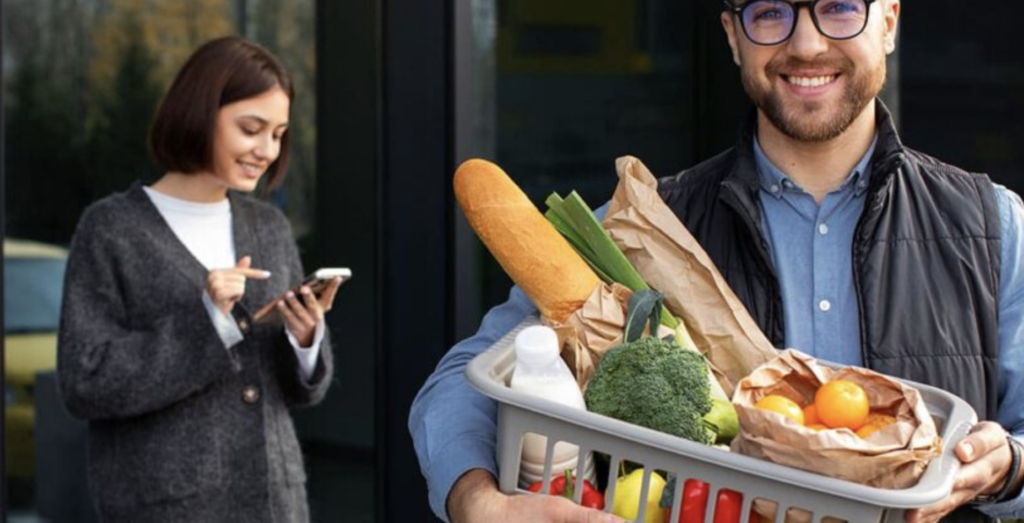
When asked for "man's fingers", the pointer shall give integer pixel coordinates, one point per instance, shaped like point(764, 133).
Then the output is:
point(596, 516)
point(244, 262)
point(935, 513)
point(565, 511)
point(983, 438)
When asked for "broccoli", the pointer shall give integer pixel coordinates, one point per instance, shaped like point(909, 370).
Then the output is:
point(655, 384)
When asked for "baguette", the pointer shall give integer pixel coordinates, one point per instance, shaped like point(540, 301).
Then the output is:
point(537, 258)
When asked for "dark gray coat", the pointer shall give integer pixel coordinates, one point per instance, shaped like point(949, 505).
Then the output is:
point(181, 428)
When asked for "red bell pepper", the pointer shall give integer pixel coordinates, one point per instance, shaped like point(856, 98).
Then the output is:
point(695, 502)
point(565, 485)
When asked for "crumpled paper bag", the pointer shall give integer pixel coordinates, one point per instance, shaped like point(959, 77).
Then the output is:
point(892, 458)
point(594, 329)
point(671, 260)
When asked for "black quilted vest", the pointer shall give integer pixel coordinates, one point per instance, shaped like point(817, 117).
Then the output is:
point(926, 258)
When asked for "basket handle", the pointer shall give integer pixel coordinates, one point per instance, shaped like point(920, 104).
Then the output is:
point(949, 464)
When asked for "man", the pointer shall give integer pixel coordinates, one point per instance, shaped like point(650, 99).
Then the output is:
point(838, 239)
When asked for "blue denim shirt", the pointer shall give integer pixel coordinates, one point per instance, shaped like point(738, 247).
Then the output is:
point(454, 427)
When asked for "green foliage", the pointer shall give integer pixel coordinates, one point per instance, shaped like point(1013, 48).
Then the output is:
point(118, 137)
point(655, 384)
point(45, 158)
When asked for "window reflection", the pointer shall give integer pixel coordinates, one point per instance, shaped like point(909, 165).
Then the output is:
point(81, 80)
point(576, 84)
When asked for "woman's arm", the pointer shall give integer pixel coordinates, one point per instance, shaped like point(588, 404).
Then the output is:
point(110, 365)
point(299, 391)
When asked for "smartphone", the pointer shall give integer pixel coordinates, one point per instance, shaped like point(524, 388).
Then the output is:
point(317, 282)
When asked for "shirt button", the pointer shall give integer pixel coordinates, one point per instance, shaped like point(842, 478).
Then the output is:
point(823, 229)
point(250, 394)
point(824, 305)
point(774, 189)
point(243, 325)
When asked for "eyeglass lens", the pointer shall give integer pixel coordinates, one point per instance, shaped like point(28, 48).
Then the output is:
point(772, 21)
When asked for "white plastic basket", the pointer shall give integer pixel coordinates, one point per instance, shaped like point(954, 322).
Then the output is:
point(819, 495)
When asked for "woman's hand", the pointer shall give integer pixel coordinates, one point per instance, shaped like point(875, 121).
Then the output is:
point(227, 286)
point(302, 313)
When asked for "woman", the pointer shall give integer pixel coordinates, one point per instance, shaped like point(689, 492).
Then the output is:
point(187, 398)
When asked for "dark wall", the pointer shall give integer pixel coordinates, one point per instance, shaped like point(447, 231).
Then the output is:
point(961, 86)
point(415, 322)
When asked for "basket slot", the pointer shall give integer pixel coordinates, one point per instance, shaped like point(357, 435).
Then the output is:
point(644, 491)
point(581, 474)
point(616, 465)
point(613, 474)
point(545, 457)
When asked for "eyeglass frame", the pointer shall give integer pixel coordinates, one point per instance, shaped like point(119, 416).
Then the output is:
point(737, 10)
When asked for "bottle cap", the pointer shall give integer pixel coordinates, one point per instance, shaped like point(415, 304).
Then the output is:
point(536, 344)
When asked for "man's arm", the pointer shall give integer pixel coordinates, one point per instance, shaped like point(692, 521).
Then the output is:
point(985, 453)
point(1011, 345)
point(453, 426)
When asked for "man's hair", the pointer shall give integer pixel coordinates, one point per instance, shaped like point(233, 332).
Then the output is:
point(220, 72)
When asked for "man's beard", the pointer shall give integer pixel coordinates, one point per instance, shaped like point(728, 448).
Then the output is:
point(802, 121)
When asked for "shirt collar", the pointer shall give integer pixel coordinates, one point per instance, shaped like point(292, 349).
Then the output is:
point(775, 182)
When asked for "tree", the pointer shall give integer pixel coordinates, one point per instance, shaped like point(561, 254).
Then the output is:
point(118, 135)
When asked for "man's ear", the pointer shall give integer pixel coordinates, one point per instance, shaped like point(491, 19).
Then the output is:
point(730, 33)
point(891, 12)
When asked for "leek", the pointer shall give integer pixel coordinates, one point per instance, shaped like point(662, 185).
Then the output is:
point(574, 220)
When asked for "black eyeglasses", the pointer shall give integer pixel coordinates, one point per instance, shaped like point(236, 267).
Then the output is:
point(771, 22)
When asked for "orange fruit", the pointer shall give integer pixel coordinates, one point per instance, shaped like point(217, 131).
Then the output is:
point(817, 427)
point(842, 403)
point(866, 430)
point(811, 415)
point(874, 423)
point(781, 405)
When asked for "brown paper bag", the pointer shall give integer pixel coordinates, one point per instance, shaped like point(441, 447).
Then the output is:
point(671, 261)
point(592, 330)
point(893, 458)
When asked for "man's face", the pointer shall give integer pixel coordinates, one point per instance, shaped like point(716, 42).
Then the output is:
point(810, 87)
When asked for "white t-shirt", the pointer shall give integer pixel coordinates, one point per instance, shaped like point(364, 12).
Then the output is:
point(206, 230)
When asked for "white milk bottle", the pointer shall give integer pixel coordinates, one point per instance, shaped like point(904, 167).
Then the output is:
point(541, 372)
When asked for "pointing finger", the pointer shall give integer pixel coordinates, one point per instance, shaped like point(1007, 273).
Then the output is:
point(256, 274)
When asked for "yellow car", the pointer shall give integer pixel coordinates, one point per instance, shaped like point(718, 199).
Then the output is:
point(33, 282)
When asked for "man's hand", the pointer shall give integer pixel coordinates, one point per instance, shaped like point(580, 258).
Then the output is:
point(985, 457)
point(227, 286)
point(475, 498)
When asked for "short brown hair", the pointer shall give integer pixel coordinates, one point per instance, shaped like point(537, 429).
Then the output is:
point(220, 72)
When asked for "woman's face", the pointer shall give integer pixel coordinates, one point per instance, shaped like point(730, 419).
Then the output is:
point(248, 139)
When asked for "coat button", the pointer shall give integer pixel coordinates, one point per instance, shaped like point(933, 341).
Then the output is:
point(250, 394)
point(243, 325)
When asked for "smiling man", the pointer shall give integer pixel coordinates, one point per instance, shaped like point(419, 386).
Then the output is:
point(839, 240)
